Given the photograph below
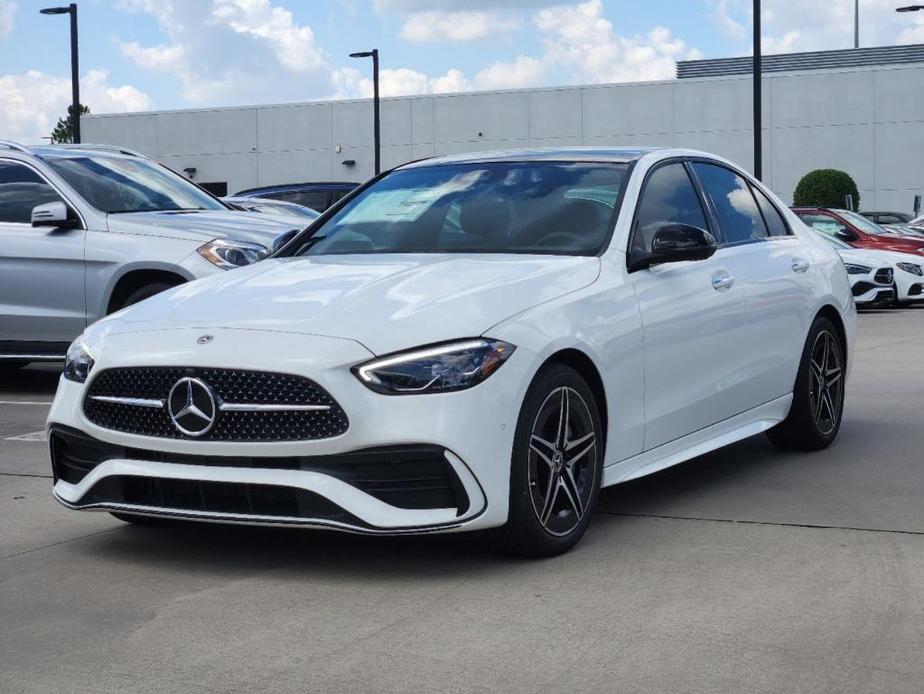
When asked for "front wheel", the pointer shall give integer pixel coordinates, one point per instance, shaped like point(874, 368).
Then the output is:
point(556, 466)
point(818, 397)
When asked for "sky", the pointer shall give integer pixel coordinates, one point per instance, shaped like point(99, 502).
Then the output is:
point(141, 55)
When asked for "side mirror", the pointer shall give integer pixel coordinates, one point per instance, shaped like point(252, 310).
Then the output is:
point(846, 235)
point(673, 243)
point(54, 214)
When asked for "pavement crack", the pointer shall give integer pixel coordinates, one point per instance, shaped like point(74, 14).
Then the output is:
point(812, 526)
point(56, 544)
point(24, 474)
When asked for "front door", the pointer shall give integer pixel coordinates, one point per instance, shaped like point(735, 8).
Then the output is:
point(694, 319)
point(41, 269)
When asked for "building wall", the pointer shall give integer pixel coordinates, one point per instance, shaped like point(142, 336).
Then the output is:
point(867, 121)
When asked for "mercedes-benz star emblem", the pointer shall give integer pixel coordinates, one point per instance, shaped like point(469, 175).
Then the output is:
point(204, 340)
point(191, 405)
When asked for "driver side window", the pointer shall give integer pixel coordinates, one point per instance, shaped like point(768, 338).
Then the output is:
point(21, 189)
point(668, 196)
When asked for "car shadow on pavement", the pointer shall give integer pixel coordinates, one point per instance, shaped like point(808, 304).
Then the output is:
point(38, 379)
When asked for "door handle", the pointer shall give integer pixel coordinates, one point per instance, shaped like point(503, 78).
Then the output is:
point(799, 265)
point(722, 280)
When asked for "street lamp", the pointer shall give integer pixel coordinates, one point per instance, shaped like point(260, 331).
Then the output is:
point(758, 121)
point(910, 8)
point(374, 54)
point(75, 74)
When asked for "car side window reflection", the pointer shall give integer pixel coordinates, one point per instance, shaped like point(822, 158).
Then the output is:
point(668, 196)
point(735, 208)
point(823, 223)
point(21, 189)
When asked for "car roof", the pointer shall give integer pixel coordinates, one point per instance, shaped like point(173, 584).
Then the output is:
point(322, 185)
point(605, 154)
point(72, 151)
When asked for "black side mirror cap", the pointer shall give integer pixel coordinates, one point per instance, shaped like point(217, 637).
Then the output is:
point(846, 235)
point(674, 242)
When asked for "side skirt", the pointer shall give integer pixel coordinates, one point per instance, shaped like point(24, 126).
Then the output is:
point(716, 436)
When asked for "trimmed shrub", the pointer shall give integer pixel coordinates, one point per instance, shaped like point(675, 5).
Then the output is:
point(826, 188)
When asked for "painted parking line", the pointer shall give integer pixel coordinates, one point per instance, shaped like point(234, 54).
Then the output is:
point(25, 402)
point(39, 436)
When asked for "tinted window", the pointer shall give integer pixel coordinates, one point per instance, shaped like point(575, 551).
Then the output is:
point(117, 185)
point(21, 189)
point(669, 196)
point(315, 199)
point(772, 216)
point(738, 216)
point(484, 207)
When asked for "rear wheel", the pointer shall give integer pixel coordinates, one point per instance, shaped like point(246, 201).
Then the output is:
point(818, 396)
point(556, 466)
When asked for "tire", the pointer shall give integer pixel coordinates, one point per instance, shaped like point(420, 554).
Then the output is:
point(145, 292)
point(544, 519)
point(815, 416)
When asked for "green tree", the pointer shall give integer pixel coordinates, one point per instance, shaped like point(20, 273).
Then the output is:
point(826, 188)
point(64, 130)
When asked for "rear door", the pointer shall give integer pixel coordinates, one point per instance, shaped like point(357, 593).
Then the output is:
point(772, 272)
point(697, 347)
point(41, 269)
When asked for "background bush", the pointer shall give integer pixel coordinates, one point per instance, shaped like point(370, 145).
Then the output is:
point(826, 188)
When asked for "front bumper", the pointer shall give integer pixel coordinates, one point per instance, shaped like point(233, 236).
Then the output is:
point(147, 475)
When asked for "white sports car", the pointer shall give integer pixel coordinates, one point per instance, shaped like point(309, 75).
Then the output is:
point(468, 342)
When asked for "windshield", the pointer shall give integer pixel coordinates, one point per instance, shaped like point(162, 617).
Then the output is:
point(283, 210)
point(499, 207)
point(121, 184)
point(862, 223)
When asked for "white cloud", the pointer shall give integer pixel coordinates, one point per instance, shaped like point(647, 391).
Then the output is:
point(811, 25)
point(33, 101)
point(295, 45)
point(450, 5)
point(524, 71)
point(580, 38)
point(351, 83)
point(439, 25)
point(7, 17)
point(162, 58)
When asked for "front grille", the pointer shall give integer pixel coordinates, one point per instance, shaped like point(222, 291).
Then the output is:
point(229, 386)
point(884, 276)
point(411, 477)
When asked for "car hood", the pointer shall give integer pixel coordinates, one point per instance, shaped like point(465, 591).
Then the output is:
point(204, 225)
point(873, 259)
point(385, 302)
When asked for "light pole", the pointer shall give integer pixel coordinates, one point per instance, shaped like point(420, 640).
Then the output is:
point(910, 8)
point(75, 70)
point(758, 120)
point(856, 24)
point(374, 54)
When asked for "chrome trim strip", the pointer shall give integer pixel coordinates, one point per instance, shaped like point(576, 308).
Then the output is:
point(255, 407)
point(137, 402)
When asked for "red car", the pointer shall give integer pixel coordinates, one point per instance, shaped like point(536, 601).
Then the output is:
point(857, 230)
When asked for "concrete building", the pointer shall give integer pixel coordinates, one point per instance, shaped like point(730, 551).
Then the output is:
point(867, 119)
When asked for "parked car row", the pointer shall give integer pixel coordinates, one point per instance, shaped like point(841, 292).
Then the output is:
point(885, 264)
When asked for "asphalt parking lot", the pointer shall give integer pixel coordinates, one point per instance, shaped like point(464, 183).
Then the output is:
point(744, 570)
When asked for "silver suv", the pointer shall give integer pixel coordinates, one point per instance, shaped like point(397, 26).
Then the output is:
point(89, 229)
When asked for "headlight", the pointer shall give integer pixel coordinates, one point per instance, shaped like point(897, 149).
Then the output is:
point(438, 369)
point(857, 269)
point(228, 254)
point(911, 267)
point(78, 362)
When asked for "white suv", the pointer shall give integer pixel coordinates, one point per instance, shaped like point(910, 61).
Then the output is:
point(89, 229)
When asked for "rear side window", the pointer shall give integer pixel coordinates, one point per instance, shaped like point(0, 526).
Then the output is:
point(775, 223)
point(737, 212)
point(315, 199)
point(669, 196)
point(823, 223)
point(21, 189)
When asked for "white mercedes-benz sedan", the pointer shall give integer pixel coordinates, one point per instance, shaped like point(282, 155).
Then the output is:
point(467, 342)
